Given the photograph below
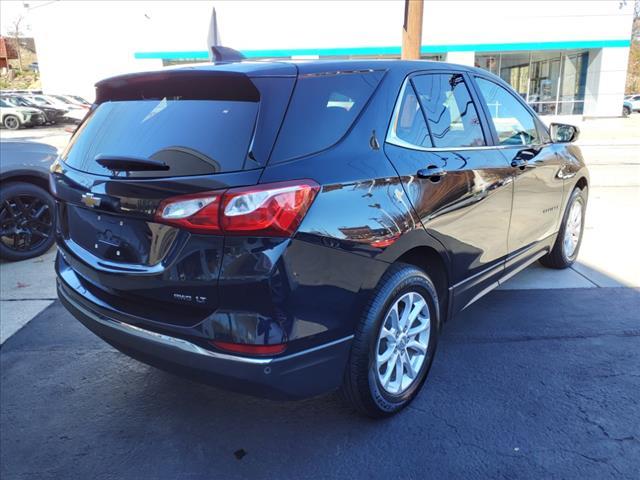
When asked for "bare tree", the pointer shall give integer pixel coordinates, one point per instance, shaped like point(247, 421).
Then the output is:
point(633, 69)
point(16, 33)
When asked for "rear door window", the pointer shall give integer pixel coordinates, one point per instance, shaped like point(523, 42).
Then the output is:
point(191, 136)
point(322, 109)
point(409, 126)
point(451, 115)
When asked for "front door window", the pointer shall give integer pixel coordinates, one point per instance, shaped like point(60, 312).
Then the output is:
point(513, 123)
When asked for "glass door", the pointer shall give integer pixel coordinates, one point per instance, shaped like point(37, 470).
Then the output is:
point(573, 83)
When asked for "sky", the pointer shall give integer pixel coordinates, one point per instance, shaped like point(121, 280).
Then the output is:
point(11, 10)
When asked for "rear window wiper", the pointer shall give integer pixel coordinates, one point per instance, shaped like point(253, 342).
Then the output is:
point(130, 164)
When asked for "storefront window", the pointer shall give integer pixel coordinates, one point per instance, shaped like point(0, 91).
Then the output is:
point(434, 57)
point(544, 80)
point(514, 69)
point(488, 62)
point(552, 82)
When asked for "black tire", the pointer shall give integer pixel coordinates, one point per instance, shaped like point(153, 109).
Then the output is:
point(30, 210)
point(361, 386)
point(12, 122)
point(626, 111)
point(558, 257)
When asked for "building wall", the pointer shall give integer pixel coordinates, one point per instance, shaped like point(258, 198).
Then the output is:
point(81, 42)
point(508, 22)
point(606, 79)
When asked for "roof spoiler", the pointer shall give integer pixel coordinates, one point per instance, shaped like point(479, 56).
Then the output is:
point(183, 84)
point(225, 54)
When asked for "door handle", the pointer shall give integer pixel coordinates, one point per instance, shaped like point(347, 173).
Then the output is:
point(521, 164)
point(524, 156)
point(432, 172)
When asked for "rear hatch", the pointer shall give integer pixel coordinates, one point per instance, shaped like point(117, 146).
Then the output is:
point(152, 137)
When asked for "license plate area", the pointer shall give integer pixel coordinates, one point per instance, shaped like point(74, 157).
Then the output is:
point(109, 237)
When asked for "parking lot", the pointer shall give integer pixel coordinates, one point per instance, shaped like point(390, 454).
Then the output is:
point(539, 379)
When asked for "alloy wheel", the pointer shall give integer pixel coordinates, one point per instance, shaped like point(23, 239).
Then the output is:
point(26, 222)
point(11, 123)
point(402, 343)
point(573, 229)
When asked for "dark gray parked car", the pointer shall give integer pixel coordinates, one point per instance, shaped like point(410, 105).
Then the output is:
point(27, 217)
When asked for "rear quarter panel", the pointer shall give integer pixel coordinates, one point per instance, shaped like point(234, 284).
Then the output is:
point(360, 222)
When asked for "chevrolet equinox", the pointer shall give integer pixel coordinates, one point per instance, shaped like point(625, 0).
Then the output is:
point(285, 229)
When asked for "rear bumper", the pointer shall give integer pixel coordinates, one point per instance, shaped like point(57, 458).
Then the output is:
point(298, 375)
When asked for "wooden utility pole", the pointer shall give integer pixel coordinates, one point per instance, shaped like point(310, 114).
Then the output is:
point(412, 29)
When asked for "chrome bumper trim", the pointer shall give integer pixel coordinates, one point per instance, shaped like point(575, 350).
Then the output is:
point(185, 345)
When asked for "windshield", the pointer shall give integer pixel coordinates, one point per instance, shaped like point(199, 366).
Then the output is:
point(191, 136)
point(20, 102)
point(62, 99)
point(41, 100)
point(79, 99)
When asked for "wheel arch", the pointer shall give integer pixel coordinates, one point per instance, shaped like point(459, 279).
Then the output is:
point(26, 177)
point(582, 183)
point(418, 248)
point(429, 260)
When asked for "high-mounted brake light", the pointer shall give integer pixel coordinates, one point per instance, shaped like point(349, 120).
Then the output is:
point(274, 209)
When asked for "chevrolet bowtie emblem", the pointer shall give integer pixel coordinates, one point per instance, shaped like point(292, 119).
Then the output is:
point(90, 201)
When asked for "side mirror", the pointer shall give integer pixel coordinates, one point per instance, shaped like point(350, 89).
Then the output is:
point(563, 133)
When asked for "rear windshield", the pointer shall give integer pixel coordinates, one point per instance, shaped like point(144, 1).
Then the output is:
point(191, 136)
point(322, 110)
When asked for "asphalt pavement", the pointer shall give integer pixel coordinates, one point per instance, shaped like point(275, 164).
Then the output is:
point(525, 384)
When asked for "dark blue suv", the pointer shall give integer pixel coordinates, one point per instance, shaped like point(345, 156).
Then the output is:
point(285, 229)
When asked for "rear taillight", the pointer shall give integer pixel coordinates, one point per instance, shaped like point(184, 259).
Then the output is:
point(274, 209)
point(197, 213)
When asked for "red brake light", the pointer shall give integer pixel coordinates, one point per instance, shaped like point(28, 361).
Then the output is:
point(197, 213)
point(274, 209)
point(249, 348)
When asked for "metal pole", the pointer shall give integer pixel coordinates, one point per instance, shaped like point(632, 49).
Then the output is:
point(412, 29)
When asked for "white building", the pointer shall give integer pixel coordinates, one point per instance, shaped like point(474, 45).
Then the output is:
point(564, 57)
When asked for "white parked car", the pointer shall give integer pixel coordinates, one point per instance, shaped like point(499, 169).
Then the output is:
point(47, 100)
point(71, 101)
point(14, 117)
point(79, 99)
point(76, 115)
point(75, 112)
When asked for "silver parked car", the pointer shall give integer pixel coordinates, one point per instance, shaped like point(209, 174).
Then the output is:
point(27, 213)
